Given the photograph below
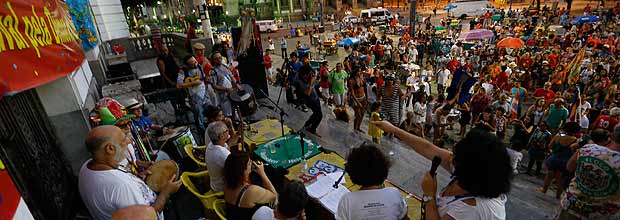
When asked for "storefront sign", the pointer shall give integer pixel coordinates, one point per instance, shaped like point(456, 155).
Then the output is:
point(38, 44)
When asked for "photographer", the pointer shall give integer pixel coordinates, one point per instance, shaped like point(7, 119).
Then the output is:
point(305, 81)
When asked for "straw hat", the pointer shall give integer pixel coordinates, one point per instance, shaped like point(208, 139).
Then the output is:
point(512, 65)
point(133, 104)
point(199, 46)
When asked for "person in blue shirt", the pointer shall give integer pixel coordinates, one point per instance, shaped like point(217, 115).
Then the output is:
point(141, 121)
point(293, 67)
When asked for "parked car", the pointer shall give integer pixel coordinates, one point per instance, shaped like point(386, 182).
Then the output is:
point(375, 16)
point(350, 18)
point(267, 26)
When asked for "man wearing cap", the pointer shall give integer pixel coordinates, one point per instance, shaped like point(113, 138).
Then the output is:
point(141, 121)
point(199, 54)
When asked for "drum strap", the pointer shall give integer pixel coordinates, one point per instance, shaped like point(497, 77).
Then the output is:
point(219, 72)
point(202, 74)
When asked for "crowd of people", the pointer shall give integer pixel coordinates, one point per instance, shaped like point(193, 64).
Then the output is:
point(555, 99)
point(550, 98)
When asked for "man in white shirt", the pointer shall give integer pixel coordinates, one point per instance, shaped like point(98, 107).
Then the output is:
point(105, 188)
point(216, 153)
point(388, 50)
point(456, 49)
point(442, 79)
point(413, 54)
point(291, 202)
point(411, 82)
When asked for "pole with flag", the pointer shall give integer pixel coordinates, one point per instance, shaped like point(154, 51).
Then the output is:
point(575, 112)
point(574, 68)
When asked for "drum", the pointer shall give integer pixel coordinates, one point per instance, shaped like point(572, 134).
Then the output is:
point(161, 171)
point(174, 143)
point(245, 100)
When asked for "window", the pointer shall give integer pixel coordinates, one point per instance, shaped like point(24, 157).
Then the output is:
point(377, 13)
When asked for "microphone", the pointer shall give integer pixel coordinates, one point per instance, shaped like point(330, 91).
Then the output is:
point(337, 183)
point(435, 164)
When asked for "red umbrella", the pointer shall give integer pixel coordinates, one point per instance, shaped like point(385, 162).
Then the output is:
point(511, 42)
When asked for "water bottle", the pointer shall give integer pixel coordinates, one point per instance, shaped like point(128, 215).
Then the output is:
point(272, 148)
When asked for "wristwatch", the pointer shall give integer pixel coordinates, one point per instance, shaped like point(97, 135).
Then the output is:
point(426, 198)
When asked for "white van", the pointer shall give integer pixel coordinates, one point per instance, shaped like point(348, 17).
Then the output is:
point(267, 26)
point(376, 16)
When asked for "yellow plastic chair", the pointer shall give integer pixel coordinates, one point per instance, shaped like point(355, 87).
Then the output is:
point(220, 208)
point(207, 198)
point(189, 150)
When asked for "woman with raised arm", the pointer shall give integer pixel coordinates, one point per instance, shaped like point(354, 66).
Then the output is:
point(481, 173)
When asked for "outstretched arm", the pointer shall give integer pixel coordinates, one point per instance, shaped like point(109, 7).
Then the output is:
point(418, 144)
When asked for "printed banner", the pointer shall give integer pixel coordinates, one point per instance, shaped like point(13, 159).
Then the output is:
point(12, 206)
point(38, 44)
point(83, 21)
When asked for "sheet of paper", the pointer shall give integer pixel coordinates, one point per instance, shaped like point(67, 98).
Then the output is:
point(320, 187)
point(335, 175)
point(331, 200)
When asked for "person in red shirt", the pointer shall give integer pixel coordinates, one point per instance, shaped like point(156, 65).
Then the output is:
point(199, 54)
point(191, 34)
point(324, 82)
point(502, 79)
point(406, 37)
point(453, 64)
point(268, 65)
point(553, 60)
point(608, 122)
point(545, 93)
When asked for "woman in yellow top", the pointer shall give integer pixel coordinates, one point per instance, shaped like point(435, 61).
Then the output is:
point(375, 132)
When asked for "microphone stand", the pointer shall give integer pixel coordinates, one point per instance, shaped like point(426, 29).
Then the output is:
point(304, 165)
point(282, 113)
point(337, 183)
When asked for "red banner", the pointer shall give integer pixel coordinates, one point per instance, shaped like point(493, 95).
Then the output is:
point(38, 44)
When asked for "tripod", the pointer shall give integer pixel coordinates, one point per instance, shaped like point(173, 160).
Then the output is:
point(282, 113)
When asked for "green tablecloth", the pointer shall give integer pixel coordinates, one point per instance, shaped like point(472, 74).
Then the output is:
point(287, 151)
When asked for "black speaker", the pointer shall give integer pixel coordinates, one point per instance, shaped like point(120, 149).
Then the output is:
point(235, 33)
point(252, 71)
point(251, 66)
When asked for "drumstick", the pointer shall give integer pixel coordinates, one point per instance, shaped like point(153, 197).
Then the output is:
point(148, 142)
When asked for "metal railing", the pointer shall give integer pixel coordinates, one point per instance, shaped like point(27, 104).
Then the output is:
point(143, 47)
